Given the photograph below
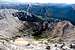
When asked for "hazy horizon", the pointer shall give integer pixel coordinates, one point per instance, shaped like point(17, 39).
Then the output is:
point(40, 1)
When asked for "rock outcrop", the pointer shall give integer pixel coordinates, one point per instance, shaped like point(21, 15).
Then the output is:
point(65, 30)
point(9, 25)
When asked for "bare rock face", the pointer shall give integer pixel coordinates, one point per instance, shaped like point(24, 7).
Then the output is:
point(9, 24)
point(65, 30)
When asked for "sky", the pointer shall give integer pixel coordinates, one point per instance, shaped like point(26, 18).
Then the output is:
point(41, 1)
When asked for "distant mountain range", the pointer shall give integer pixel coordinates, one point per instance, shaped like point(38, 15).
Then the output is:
point(58, 11)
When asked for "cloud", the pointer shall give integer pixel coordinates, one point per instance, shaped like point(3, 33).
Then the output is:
point(42, 1)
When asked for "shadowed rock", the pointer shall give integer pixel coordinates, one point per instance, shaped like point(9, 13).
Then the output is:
point(24, 17)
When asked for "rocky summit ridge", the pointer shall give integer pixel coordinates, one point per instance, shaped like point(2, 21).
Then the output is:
point(16, 34)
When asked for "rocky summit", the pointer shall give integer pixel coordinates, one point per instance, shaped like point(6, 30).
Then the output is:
point(17, 34)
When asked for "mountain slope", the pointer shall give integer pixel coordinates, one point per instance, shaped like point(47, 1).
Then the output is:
point(9, 25)
point(54, 31)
